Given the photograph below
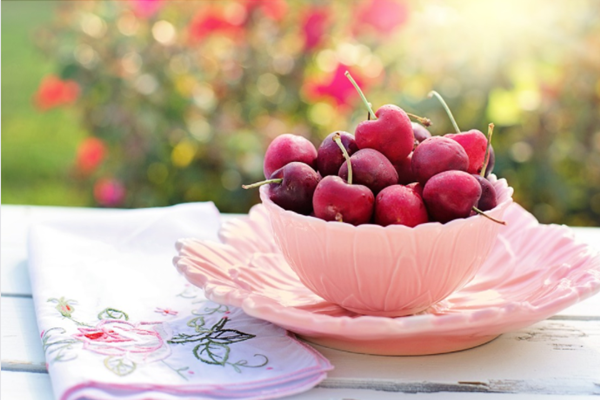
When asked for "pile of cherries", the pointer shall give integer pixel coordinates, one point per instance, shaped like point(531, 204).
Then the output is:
point(391, 171)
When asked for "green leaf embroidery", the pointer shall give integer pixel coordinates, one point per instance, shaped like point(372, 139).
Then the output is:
point(57, 348)
point(198, 324)
point(112, 313)
point(212, 353)
point(219, 308)
point(184, 338)
point(119, 366)
point(244, 363)
point(227, 336)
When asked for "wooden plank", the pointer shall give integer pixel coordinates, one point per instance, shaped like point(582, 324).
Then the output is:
point(550, 357)
point(26, 386)
point(21, 345)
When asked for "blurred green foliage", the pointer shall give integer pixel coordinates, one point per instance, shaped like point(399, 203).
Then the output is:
point(185, 96)
point(37, 149)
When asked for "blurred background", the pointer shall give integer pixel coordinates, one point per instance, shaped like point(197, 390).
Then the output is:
point(150, 103)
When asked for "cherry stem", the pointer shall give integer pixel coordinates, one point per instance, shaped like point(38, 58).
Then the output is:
point(486, 158)
point(257, 184)
point(478, 211)
point(362, 95)
point(441, 99)
point(337, 138)
point(421, 120)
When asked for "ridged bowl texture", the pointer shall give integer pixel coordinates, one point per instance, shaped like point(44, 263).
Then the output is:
point(385, 271)
point(533, 272)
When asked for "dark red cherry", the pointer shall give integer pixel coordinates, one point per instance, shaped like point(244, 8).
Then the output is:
point(329, 156)
point(450, 195)
point(438, 154)
point(292, 187)
point(399, 205)
point(336, 200)
point(370, 168)
point(474, 142)
point(287, 148)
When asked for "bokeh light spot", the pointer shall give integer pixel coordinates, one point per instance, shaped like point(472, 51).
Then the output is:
point(86, 55)
point(503, 107)
point(204, 96)
point(183, 154)
point(321, 113)
point(93, 25)
point(268, 84)
point(131, 62)
point(200, 130)
point(128, 24)
point(146, 84)
point(521, 152)
point(164, 32)
point(231, 179)
point(327, 60)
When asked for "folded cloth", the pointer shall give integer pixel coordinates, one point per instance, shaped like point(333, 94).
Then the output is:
point(116, 321)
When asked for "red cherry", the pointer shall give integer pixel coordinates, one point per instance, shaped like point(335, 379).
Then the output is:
point(330, 158)
point(399, 205)
point(370, 168)
point(450, 195)
point(404, 170)
point(391, 133)
point(488, 200)
point(287, 148)
point(438, 154)
point(336, 200)
point(474, 142)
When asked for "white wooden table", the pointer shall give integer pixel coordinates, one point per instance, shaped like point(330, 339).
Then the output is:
point(558, 358)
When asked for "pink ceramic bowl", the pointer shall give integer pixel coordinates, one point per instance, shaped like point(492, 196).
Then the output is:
point(391, 271)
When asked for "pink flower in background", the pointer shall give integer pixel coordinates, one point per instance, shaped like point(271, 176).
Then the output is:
point(146, 8)
point(109, 192)
point(212, 21)
point(380, 16)
point(54, 92)
point(336, 87)
point(314, 24)
point(273, 9)
point(141, 342)
point(90, 153)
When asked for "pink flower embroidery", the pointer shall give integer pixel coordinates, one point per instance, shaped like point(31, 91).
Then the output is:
point(142, 342)
point(166, 311)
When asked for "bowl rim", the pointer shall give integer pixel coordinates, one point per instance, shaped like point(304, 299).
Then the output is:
point(504, 197)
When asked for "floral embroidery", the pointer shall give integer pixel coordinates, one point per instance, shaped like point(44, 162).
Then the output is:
point(140, 343)
point(65, 308)
point(111, 313)
point(213, 343)
point(57, 345)
point(126, 345)
point(166, 311)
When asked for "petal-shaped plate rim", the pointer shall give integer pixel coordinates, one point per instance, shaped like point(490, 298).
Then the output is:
point(493, 320)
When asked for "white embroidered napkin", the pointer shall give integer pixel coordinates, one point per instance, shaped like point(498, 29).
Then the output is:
point(117, 322)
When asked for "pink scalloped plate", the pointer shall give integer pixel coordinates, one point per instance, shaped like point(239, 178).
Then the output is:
point(533, 272)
